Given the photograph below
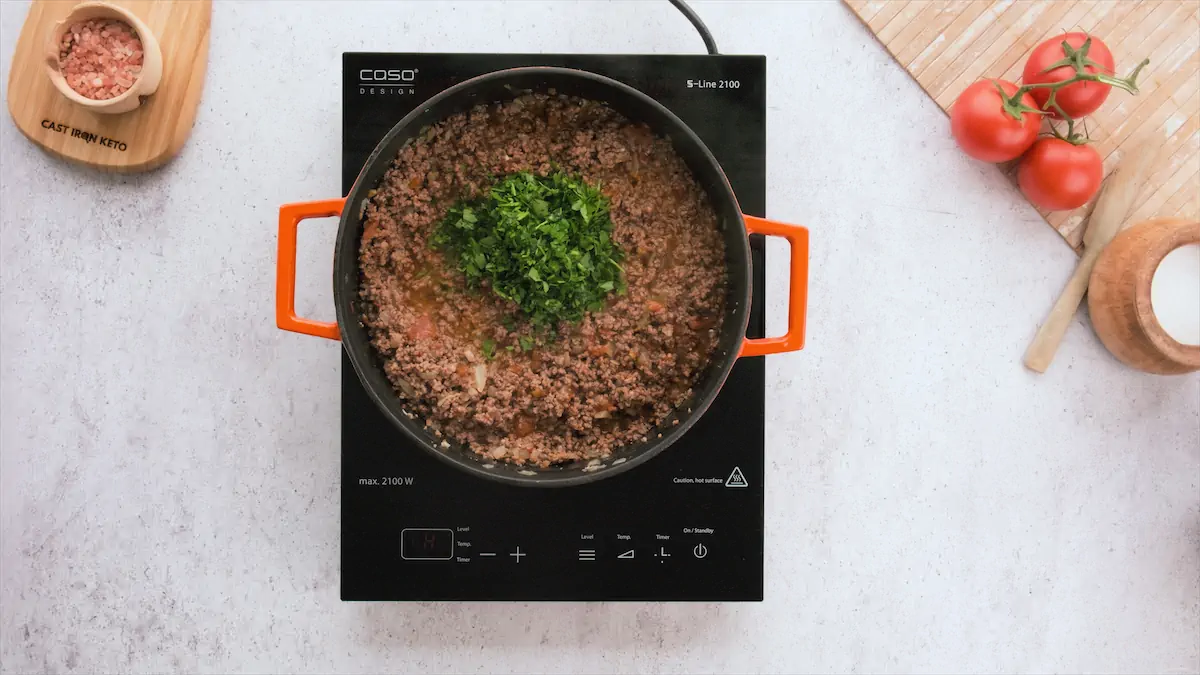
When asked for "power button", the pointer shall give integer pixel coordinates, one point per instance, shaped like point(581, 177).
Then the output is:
point(700, 550)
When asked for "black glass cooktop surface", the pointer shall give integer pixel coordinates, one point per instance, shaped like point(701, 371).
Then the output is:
point(687, 525)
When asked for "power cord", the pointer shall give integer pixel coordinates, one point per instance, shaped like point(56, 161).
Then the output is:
point(691, 15)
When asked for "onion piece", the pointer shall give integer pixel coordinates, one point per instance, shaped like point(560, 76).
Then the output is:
point(480, 376)
point(405, 387)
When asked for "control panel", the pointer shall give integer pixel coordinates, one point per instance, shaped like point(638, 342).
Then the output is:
point(454, 545)
point(472, 562)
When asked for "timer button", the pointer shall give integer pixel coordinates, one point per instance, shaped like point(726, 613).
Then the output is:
point(700, 551)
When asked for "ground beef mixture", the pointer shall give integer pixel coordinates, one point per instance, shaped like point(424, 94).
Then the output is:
point(600, 384)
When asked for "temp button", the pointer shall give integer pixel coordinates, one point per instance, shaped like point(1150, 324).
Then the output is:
point(700, 550)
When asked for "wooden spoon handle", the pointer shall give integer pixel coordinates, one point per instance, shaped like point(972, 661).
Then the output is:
point(1115, 201)
point(1041, 351)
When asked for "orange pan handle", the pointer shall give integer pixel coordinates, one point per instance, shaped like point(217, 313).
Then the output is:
point(793, 339)
point(290, 216)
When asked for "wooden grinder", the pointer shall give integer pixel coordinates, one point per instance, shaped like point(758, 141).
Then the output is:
point(1119, 299)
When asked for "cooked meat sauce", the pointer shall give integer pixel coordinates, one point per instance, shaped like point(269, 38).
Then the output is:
point(468, 362)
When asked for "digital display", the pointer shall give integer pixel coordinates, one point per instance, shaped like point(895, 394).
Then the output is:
point(425, 543)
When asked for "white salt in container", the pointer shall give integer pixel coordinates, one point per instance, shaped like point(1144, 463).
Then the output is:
point(1175, 294)
point(1144, 296)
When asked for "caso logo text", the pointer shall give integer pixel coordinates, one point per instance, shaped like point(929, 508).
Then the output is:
point(394, 76)
point(387, 81)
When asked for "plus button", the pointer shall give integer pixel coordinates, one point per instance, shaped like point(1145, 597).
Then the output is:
point(517, 554)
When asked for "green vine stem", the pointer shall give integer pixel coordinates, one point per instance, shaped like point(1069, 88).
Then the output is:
point(1077, 59)
point(1013, 106)
point(1070, 137)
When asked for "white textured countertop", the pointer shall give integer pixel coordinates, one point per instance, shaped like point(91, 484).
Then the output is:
point(170, 460)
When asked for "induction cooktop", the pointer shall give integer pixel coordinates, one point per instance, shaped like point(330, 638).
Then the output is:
point(686, 525)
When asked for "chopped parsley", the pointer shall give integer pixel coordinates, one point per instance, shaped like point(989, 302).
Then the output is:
point(489, 349)
point(542, 242)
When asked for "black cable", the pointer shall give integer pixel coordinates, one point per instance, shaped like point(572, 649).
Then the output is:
point(691, 15)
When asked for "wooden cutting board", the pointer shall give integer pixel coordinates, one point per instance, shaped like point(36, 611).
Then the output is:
point(134, 141)
point(948, 44)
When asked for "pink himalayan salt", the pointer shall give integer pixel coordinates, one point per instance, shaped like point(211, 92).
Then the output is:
point(100, 58)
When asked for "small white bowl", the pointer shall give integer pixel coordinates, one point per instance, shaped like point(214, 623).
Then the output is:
point(147, 80)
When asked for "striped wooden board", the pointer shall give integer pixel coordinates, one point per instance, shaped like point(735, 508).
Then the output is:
point(948, 44)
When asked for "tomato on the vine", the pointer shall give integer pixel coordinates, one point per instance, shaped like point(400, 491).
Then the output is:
point(984, 126)
point(1057, 175)
point(1078, 99)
